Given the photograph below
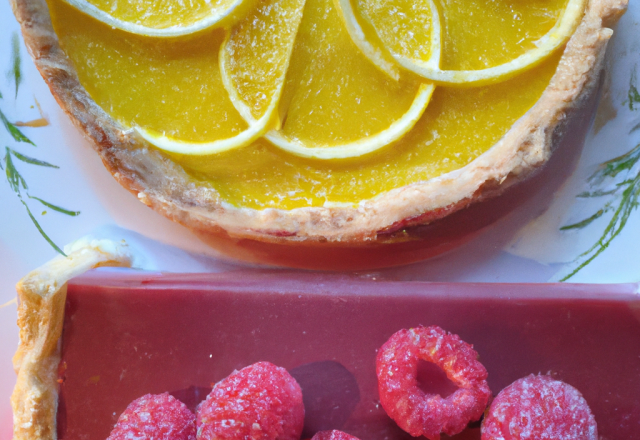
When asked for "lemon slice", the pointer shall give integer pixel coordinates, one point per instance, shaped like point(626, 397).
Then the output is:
point(164, 18)
point(405, 32)
point(255, 56)
point(368, 144)
point(362, 146)
point(544, 47)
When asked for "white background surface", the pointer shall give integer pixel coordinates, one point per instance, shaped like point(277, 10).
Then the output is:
point(538, 252)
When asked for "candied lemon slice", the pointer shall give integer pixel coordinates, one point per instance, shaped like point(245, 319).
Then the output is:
point(402, 27)
point(409, 56)
point(255, 56)
point(397, 24)
point(403, 31)
point(362, 146)
point(165, 18)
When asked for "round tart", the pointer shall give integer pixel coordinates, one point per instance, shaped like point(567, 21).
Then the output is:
point(328, 134)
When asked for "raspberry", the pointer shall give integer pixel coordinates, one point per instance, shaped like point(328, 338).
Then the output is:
point(333, 435)
point(157, 417)
point(259, 402)
point(415, 411)
point(540, 408)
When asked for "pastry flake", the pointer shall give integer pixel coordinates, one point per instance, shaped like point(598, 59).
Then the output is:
point(42, 295)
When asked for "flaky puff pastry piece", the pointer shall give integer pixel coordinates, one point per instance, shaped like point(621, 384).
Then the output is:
point(42, 296)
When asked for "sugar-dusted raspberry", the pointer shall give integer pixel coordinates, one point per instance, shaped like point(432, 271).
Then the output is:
point(539, 408)
point(415, 411)
point(259, 402)
point(157, 417)
point(333, 435)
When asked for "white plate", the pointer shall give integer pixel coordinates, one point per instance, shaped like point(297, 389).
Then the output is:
point(539, 252)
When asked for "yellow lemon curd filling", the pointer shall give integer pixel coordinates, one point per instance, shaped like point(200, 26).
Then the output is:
point(332, 94)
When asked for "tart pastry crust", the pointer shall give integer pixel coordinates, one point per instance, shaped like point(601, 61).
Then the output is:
point(42, 294)
point(163, 185)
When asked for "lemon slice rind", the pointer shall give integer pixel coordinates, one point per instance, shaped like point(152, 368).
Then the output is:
point(215, 19)
point(545, 46)
point(271, 114)
point(383, 61)
point(255, 130)
point(362, 146)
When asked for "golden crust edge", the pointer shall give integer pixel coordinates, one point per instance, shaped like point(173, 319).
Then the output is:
point(143, 171)
point(42, 295)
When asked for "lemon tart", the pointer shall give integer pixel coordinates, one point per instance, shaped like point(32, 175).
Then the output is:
point(324, 133)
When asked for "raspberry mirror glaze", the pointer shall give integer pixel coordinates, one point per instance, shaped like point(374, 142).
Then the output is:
point(129, 333)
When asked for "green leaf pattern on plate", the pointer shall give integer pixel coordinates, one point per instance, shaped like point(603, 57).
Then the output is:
point(625, 199)
point(16, 181)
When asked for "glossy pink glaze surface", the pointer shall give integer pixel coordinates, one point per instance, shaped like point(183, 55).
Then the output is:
point(127, 334)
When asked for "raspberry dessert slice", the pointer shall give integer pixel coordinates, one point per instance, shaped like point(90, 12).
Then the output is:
point(114, 336)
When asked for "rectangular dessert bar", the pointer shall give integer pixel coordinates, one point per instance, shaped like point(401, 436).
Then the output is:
point(129, 333)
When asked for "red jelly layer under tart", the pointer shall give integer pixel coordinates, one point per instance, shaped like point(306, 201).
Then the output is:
point(127, 334)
